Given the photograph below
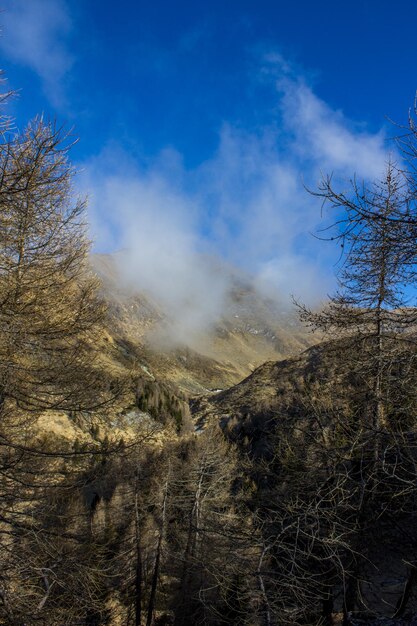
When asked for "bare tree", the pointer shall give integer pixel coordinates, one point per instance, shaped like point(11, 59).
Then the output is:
point(371, 321)
point(373, 312)
point(50, 318)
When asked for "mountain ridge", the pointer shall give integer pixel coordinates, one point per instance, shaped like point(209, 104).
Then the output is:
point(251, 329)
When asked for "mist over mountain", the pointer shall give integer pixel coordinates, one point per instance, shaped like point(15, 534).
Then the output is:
point(245, 203)
point(187, 190)
point(206, 334)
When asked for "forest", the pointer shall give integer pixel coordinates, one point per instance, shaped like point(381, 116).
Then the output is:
point(296, 501)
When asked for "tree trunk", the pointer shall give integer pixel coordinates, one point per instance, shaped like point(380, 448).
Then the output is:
point(403, 601)
point(138, 572)
point(155, 576)
point(190, 548)
point(266, 610)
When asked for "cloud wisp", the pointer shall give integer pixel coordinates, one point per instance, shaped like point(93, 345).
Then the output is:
point(33, 34)
point(246, 205)
point(161, 251)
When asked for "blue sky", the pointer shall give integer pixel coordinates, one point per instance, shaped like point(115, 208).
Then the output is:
point(170, 73)
point(199, 122)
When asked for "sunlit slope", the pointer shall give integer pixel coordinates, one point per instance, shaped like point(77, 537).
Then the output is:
point(251, 329)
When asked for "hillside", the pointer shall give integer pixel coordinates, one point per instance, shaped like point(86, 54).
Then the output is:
point(276, 394)
point(273, 387)
point(297, 424)
point(251, 330)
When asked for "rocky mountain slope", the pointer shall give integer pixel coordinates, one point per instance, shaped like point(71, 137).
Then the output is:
point(251, 330)
point(276, 391)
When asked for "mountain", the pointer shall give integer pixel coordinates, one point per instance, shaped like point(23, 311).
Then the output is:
point(309, 447)
point(276, 391)
point(251, 329)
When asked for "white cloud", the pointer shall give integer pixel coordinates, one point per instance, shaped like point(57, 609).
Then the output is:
point(157, 230)
point(33, 34)
point(327, 136)
point(247, 204)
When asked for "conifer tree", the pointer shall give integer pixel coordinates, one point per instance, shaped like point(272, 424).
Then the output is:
point(373, 313)
point(371, 324)
point(50, 316)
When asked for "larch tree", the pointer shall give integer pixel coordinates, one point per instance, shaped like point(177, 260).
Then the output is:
point(373, 312)
point(49, 309)
point(371, 324)
point(50, 316)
